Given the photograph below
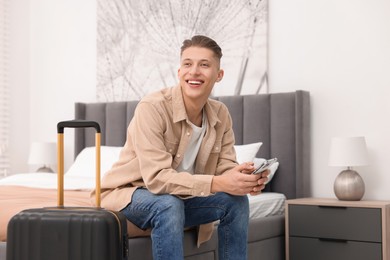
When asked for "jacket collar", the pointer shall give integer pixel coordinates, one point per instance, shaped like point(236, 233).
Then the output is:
point(179, 110)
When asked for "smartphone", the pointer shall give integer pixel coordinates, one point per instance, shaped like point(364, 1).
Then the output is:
point(264, 166)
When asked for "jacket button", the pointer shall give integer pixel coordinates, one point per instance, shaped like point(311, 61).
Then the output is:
point(202, 193)
point(178, 155)
point(188, 133)
point(216, 148)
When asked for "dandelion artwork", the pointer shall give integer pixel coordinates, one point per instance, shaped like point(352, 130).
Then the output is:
point(138, 44)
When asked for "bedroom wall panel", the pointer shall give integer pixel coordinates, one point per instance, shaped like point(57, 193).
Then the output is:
point(116, 122)
point(237, 113)
point(130, 110)
point(256, 122)
point(96, 112)
point(282, 123)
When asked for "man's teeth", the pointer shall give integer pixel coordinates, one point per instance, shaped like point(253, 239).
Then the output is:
point(194, 82)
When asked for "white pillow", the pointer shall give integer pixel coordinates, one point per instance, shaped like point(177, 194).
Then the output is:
point(247, 152)
point(84, 164)
point(272, 168)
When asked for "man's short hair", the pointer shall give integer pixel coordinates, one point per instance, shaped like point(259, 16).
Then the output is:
point(202, 42)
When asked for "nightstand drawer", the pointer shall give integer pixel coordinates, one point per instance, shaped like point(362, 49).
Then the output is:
point(314, 248)
point(348, 223)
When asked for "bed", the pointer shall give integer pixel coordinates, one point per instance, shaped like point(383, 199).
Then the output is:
point(265, 126)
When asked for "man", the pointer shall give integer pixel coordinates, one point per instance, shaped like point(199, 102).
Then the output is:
point(178, 167)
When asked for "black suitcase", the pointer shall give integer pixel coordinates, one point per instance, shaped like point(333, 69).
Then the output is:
point(68, 233)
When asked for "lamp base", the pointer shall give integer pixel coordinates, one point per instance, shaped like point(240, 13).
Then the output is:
point(349, 185)
point(45, 169)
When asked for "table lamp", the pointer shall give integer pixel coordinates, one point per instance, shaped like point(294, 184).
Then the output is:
point(43, 154)
point(348, 152)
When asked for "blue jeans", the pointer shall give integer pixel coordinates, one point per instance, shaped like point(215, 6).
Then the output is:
point(167, 215)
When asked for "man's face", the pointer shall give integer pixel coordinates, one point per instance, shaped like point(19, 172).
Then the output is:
point(199, 70)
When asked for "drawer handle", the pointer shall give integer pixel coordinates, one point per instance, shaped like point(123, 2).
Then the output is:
point(335, 240)
point(332, 207)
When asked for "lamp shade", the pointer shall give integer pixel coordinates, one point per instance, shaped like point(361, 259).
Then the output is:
point(42, 153)
point(348, 151)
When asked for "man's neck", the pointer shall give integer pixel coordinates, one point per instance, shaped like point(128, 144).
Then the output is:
point(194, 111)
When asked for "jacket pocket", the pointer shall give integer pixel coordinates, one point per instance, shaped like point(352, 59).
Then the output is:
point(171, 147)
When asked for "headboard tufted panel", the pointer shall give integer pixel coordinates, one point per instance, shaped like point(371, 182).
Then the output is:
point(280, 120)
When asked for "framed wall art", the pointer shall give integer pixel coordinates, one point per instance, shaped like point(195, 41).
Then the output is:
point(139, 43)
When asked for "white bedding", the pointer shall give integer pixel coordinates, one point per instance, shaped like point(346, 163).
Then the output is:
point(266, 204)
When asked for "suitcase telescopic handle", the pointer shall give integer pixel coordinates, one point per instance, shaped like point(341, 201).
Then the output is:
point(77, 124)
point(60, 155)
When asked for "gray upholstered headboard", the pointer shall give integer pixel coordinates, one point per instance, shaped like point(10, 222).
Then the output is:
point(280, 120)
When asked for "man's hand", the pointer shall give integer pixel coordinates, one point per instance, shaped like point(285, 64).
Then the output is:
point(263, 178)
point(240, 181)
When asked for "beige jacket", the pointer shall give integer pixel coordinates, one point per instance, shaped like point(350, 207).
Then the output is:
point(157, 138)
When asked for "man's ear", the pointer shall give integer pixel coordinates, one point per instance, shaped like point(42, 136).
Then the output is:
point(220, 75)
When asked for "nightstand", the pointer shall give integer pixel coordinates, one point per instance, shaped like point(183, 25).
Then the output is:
point(330, 229)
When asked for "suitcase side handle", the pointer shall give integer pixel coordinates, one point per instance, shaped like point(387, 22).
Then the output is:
point(60, 156)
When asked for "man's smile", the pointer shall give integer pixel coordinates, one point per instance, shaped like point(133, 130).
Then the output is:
point(195, 82)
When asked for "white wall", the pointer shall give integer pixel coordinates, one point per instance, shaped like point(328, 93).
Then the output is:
point(19, 83)
point(339, 51)
point(63, 62)
point(336, 49)
point(61, 54)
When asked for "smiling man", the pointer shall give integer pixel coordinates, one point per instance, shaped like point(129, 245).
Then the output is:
point(178, 166)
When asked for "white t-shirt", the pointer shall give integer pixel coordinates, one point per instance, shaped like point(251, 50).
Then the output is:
point(188, 162)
